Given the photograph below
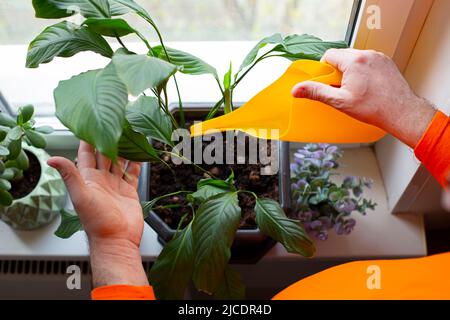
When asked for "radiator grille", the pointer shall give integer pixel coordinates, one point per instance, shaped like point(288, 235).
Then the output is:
point(48, 267)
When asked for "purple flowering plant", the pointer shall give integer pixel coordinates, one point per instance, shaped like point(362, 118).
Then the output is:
point(319, 203)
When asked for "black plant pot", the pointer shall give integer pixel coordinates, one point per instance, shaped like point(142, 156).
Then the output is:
point(249, 246)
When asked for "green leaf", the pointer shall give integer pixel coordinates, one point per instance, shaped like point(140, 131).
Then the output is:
point(21, 162)
point(8, 174)
point(65, 39)
point(44, 129)
point(205, 193)
point(141, 72)
point(2, 167)
point(227, 78)
point(26, 113)
point(36, 139)
point(70, 224)
point(227, 185)
point(135, 7)
point(6, 198)
point(55, 9)
point(172, 271)
point(3, 151)
point(189, 63)
point(295, 47)
point(7, 121)
point(15, 133)
point(92, 106)
point(251, 56)
point(5, 185)
point(134, 146)
point(214, 229)
point(109, 27)
point(232, 286)
point(14, 147)
point(145, 116)
point(273, 222)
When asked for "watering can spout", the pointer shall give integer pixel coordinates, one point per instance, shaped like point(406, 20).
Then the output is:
point(275, 114)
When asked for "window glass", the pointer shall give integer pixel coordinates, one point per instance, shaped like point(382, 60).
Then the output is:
point(183, 21)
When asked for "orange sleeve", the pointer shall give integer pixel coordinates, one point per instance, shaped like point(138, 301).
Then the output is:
point(434, 148)
point(123, 292)
point(409, 279)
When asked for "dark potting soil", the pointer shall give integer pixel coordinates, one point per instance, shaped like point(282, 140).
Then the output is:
point(247, 177)
point(23, 186)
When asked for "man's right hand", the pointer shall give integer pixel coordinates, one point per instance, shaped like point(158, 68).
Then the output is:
point(373, 91)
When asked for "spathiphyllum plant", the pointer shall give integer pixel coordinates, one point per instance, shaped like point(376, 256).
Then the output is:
point(95, 106)
point(13, 159)
point(318, 202)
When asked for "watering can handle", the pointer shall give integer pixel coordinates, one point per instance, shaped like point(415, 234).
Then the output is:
point(334, 78)
point(319, 72)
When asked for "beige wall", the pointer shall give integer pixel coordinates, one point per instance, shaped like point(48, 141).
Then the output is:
point(428, 72)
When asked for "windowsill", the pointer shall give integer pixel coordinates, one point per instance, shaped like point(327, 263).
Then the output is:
point(380, 234)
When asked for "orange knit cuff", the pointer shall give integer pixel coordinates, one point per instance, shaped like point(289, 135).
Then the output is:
point(123, 292)
point(434, 148)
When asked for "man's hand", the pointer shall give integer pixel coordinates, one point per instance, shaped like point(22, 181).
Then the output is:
point(105, 198)
point(373, 91)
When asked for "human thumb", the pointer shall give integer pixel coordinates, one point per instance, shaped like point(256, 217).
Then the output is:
point(71, 176)
point(320, 92)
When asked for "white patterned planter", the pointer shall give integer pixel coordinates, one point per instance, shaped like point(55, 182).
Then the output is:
point(41, 205)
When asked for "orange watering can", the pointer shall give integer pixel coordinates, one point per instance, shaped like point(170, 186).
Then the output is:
point(275, 114)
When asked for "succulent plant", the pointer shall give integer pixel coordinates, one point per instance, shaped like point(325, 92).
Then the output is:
point(318, 202)
point(13, 159)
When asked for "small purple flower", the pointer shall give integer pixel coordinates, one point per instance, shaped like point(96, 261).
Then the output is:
point(324, 146)
point(350, 182)
point(332, 149)
point(326, 223)
point(322, 236)
point(302, 154)
point(346, 206)
point(328, 164)
point(349, 225)
point(300, 185)
point(294, 167)
point(339, 228)
point(318, 155)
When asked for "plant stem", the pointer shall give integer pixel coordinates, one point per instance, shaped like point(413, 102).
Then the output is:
point(190, 162)
point(228, 105)
point(249, 192)
point(121, 43)
point(264, 56)
point(149, 47)
point(165, 108)
point(180, 103)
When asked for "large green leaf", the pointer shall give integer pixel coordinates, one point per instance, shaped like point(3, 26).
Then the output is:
point(135, 7)
point(273, 222)
point(172, 271)
point(65, 39)
point(251, 56)
point(305, 46)
point(109, 27)
point(92, 105)
point(189, 64)
point(146, 117)
point(214, 229)
point(55, 9)
point(232, 286)
point(134, 146)
point(141, 72)
point(205, 193)
point(70, 224)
